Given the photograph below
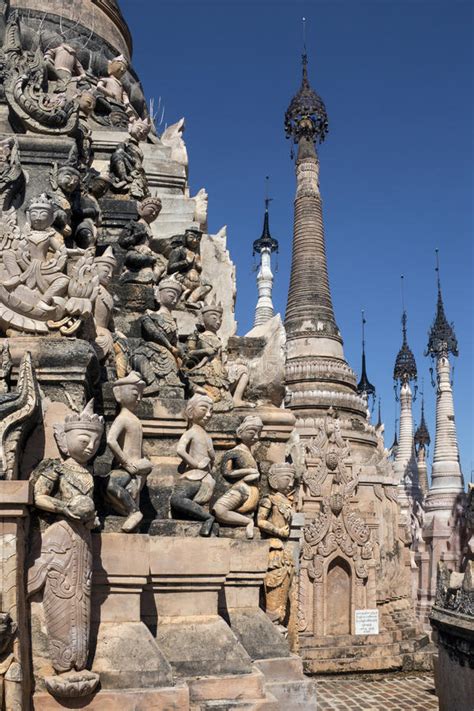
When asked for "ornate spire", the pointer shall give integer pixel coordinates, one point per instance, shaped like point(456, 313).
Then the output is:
point(379, 419)
point(364, 386)
point(422, 436)
point(265, 246)
point(306, 115)
point(405, 364)
point(441, 338)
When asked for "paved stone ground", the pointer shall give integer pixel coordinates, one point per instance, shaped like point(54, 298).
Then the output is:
point(393, 692)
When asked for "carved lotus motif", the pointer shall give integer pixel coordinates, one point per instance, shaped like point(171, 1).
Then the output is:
point(336, 502)
point(332, 461)
point(72, 685)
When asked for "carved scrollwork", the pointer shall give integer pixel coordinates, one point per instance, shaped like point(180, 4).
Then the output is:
point(361, 569)
point(315, 531)
point(316, 568)
point(356, 526)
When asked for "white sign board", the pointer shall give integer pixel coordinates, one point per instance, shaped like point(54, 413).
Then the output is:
point(366, 621)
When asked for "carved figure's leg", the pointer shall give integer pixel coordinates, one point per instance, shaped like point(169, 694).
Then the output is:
point(239, 391)
point(142, 364)
point(224, 510)
point(181, 502)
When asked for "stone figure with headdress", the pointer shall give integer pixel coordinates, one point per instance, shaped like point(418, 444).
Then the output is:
point(61, 570)
point(158, 356)
point(184, 263)
point(125, 440)
point(126, 162)
point(142, 264)
point(196, 484)
point(237, 506)
point(205, 363)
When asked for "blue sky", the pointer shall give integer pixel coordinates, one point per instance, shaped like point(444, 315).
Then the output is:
point(396, 167)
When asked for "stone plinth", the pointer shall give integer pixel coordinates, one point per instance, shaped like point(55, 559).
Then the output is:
point(240, 603)
point(454, 667)
point(187, 575)
point(126, 654)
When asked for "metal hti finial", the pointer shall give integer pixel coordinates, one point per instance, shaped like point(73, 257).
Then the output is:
point(266, 241)
point(364, 386)
point(405, 364)
point(441, 338)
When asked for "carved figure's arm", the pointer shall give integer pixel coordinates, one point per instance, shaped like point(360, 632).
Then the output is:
point(43, 488)
point(182, 450)
point(113, 443)
point(153, 333)
point(264, 511)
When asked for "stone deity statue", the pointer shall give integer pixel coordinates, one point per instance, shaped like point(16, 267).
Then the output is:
point(63, 570)
point(63, 65)
point(184, 263)
point(158, 358)
point(205, 365)
point(274, 517)
point(111, 87)
point(128, 175)
point(65, 181)
point(237, 506)
point(197, 453)
point(125, 440)
point(10, 669)
point(12, 177)
point(143, 265)
point(32, 280)
point(87, 210)
point(104, 267)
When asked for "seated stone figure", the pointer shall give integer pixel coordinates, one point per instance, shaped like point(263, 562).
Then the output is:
point(205, 364)
point(197, 452)
point(143, 265)
point(65, 181)
point(63, 65)
point(127, 173)
point(275, 513)
point(33, 284)
point(237, 506)
point(125, 440)
point(157, 358)
point(184, 263)
point(113, 101)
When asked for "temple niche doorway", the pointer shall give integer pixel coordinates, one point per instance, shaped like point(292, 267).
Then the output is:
point(338, 597)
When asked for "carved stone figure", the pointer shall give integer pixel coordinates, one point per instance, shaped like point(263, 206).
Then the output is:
point(158, 357)
point(201, 200)
point(86, 101)
point(65, 181)
point(63, 65)
point(113, 103)
point(185, 264)
point(10, 669)
point(32, 280)
point(274, 517)
point(26, 88)
point(205, 365)
point(143, 265)
point(237, 506)
point(63, 570)
point(104, 266)
point(87, 211)
point(197, 452)
point(128, 175)
point(125, 440)
point(12, 177)
point(17, 413)
point(173, 137)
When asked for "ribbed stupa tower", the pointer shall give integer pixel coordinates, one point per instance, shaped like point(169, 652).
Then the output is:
point(441, 529)
point(405, 464)
point(353, 552)
point(317, 374)
point(264, 246)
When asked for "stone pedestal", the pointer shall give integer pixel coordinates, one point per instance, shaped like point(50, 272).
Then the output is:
point(126, 654)
point(240, 603)
point(187, 575)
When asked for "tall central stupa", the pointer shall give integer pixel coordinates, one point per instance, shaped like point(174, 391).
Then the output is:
point(354, 560)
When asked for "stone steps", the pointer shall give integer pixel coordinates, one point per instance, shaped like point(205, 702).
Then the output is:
point(365, 664)
point(285, 680)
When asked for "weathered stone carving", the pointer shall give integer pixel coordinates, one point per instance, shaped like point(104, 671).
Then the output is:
point(12, 177)
point(17, 411)
point(197, 453)
point(65, 181)
point(143, 265)
point(274, 517)
point(63, 65)
point(88, 214)
point(62, 572)
point(125, 440)
point(104, 266)
point(33, 285)
point(128, 175)
point(10, 669)
point(201, 200)
point(205, 365)
point(158, 357)
point(172, 136)
point(27, 91)
point(184, 263)
point(237, 506)
point(113, 103)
